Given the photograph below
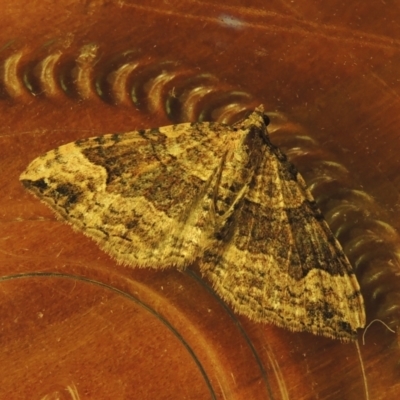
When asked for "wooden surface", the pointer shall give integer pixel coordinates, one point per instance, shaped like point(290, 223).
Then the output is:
point(73, 324)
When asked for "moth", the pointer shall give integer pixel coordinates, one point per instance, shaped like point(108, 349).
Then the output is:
point(221, 195)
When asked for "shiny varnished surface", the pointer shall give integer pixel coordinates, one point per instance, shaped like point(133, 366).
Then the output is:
point(75, 323)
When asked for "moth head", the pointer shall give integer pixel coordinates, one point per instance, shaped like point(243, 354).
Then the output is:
point(256, 120)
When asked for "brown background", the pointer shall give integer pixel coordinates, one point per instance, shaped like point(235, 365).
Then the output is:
point(74, 324)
